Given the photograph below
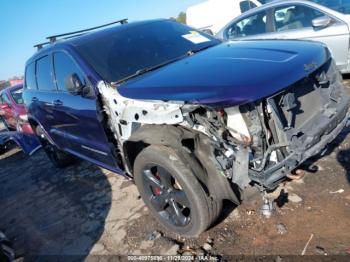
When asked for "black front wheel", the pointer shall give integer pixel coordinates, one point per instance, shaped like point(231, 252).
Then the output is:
point(172, 192)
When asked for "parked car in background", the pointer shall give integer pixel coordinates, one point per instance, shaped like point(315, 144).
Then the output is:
point(212, 15)
point(296, 19)
point(191, 119)
point(13, 113)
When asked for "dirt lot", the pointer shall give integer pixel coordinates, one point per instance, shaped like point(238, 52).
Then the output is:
point(84, 210)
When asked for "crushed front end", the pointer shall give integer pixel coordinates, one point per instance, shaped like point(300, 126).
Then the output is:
point(261, 141)
point(299, 123)
point(266, 140)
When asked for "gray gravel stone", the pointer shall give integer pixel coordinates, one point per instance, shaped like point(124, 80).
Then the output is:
point(207, 247)
point(281, 229)
point(294, 198)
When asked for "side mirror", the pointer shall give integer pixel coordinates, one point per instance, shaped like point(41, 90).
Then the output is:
point(73, 84)
point(321, 22)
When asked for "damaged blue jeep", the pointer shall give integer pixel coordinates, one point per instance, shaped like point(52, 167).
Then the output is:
point(192, 120)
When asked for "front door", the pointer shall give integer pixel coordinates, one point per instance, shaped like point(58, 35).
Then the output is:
point(76, 121)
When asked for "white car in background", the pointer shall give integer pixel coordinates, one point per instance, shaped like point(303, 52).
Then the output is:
point(298, 19)
point(212, 15)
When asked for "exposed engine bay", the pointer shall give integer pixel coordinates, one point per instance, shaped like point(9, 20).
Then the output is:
point(261, 142)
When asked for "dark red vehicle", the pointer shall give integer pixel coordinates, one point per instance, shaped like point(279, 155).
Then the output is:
point(12, 110)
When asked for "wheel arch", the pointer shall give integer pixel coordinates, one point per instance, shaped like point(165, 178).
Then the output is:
point(194, 148)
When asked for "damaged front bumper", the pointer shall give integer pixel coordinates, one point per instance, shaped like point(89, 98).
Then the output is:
point(272, 176)
point(306, 122)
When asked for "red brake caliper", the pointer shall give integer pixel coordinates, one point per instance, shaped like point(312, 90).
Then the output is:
point(157, 190)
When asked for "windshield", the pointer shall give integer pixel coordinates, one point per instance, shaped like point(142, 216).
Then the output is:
point(116, 55)
point(17, 96)
point(342, 6)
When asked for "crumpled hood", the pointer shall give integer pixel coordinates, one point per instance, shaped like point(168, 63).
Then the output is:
point(231, 73)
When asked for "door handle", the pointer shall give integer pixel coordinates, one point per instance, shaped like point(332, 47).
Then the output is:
point(57, 103)
point(35, 99)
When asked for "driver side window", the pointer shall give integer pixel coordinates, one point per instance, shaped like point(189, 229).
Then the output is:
point(64, 66)
point(252, 25)
point(294, 17)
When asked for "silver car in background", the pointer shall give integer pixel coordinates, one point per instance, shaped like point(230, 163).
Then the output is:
point(297, 19)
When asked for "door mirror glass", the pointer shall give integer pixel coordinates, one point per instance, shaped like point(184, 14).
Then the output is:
point(74, 84)
point(321, 22)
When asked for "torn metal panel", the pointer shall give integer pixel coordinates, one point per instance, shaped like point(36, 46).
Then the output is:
point(126, 115)
point(27, 142)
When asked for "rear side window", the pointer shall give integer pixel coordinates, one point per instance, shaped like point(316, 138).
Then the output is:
point(64, 66)
point(30, 77)
point(43, 74)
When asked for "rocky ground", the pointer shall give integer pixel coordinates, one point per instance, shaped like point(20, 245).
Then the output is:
point(84, 210)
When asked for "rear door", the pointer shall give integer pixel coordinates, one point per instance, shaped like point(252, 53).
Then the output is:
point(43, 97)
point(295, 22)
point(76, 120)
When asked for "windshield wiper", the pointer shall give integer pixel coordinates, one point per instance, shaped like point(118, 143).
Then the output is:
point(199, 49)
point(151, 68)
point(148, 69)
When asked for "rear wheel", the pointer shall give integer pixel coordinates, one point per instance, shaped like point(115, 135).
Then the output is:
point(58, 158)
point(172, 192)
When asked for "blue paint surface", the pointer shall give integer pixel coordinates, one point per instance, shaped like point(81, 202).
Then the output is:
point(28, 143)
point(229, 74)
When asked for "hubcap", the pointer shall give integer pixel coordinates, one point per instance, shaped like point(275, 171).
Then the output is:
point(166, 196)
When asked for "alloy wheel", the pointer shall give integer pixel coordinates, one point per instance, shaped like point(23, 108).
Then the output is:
point(166, 196)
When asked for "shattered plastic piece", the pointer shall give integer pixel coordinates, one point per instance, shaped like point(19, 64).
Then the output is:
point(267, 208)
point(337, 192)
point(320, 250)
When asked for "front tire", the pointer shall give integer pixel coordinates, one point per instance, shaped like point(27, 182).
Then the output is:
point(58, 158)
point(171, 191)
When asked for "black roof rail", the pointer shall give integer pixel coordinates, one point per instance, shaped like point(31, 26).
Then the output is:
point(53, 38)
point(39, 46)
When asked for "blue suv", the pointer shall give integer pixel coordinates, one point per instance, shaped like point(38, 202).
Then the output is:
point(192, 120)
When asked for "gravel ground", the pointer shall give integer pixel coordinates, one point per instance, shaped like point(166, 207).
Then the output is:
point(85, 210)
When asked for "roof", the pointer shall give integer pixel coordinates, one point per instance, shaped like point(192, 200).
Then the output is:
point(77, 40)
